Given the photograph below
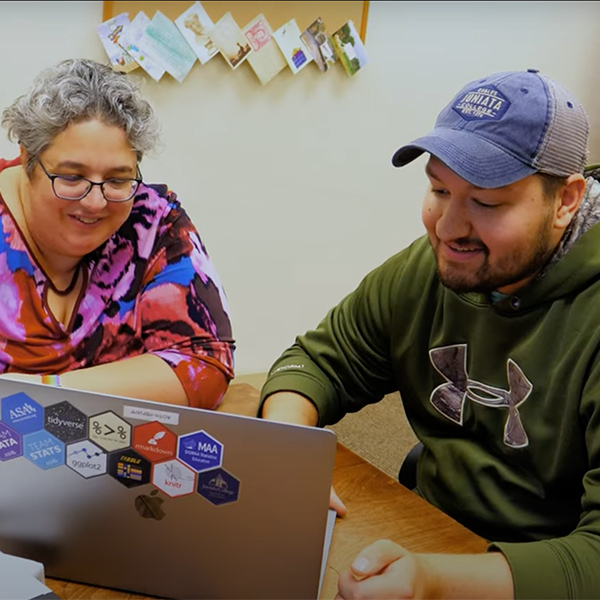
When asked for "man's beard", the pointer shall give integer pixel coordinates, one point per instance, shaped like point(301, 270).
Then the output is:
point(520, 264)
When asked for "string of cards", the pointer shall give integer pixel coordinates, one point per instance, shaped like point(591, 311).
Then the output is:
point(160, 46)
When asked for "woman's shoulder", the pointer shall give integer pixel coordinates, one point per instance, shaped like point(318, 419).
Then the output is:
point(11, 162)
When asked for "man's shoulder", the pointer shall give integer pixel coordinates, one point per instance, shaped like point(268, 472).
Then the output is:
point(417, 256)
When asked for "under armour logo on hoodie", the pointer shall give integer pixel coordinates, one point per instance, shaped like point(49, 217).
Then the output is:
point(449, 397)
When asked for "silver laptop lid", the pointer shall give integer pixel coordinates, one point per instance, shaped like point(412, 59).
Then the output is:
point(159, 499)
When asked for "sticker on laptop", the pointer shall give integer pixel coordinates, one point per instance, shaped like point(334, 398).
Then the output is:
point(147, 414)
point(43, 449)
point(218, 486)
point(86, 458)
point(174, 478)
point(65, 422)
point(154, 441)
point(11, 445)
point(129, 468)
point(109, 431)
point(200, 451)
point(22, 413)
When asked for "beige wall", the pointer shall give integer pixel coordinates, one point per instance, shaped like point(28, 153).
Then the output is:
point(290, 184)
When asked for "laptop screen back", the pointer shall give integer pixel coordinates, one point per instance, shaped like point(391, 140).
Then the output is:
point(162, 500)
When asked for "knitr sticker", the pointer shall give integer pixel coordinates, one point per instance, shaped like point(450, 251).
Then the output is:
point(174, 478)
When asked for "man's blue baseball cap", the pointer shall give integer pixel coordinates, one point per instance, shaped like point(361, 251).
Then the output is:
point(504, 127)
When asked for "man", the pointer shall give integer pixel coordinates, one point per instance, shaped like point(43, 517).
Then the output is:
point(488, 327)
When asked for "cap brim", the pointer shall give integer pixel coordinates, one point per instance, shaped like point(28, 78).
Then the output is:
point(468, 155)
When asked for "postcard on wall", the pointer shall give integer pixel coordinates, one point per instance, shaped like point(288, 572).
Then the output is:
point(349, 48)
point(131, 36)
point(231, 42)
point(110, 35)
point(320, 44)
point(266, 58)
point(163, 41)
point(291, 45)
point(194, 24)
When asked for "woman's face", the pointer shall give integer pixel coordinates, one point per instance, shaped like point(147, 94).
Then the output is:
point(73, 228)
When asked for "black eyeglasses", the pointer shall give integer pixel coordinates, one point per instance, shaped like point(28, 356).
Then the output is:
point(76, 187)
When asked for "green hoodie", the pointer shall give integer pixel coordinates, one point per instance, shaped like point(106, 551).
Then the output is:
point(505, 397)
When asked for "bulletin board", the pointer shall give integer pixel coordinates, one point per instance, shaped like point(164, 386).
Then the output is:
point(333, 14)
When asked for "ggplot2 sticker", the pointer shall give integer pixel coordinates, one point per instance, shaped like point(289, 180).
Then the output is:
point(86, 458)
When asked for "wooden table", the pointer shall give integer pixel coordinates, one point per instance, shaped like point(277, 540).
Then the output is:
point(378, 507)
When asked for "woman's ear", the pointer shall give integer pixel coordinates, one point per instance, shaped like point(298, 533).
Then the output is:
point(24, 158)
point(570, 199)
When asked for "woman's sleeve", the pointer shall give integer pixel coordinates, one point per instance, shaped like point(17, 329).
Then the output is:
point(184, 313)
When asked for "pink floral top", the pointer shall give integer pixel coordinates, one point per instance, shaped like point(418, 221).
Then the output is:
point(151, 288)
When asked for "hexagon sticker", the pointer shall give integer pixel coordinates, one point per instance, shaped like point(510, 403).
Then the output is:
point(174, 478)
point(200, 451)
point(86, 458)
point(11, 443)
point(65, 422)
point(154, 441)
point(218, 486)
point(109, 431)
point(129, 468)
point(43, 449)
point(22, 413)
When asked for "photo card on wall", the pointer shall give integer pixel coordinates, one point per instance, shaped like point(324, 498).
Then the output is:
point(266, 58)
point(194, 24)
point(110, 35)
point(294, 50)
point(349, 48)
point(320, 44)
point(230, 40)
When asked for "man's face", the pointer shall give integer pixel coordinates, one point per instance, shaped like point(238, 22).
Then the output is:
point(488, 239)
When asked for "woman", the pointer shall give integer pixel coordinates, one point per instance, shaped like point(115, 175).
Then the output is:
point(104, 281)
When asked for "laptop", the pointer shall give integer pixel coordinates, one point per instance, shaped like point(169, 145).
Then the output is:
point(163, 500)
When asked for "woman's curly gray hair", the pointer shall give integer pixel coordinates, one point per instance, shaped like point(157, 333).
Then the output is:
point(77, 90)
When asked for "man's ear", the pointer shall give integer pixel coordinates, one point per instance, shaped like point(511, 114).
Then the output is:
point(570, 199)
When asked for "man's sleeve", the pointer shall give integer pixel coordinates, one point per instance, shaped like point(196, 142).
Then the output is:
point(345, 363)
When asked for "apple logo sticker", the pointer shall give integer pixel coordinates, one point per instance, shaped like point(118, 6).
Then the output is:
point(150, 506)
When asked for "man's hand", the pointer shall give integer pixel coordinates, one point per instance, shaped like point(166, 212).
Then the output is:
point(384, 570)
point(387, 570)
point(336, 503)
